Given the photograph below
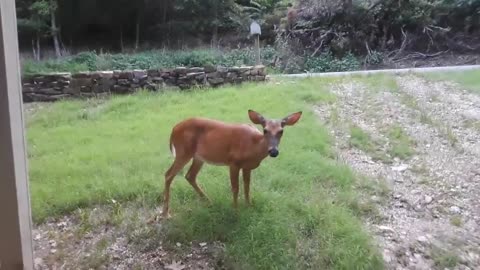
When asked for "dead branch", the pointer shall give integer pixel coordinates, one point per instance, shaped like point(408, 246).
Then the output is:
point(322, 38)
point(317, 49)
point(419, 55)
point(404, 44)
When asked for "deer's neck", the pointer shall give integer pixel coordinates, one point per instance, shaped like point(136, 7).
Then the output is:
point(262, 147)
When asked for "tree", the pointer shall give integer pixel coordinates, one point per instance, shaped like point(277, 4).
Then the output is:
point(44, 10)
point(33, 21)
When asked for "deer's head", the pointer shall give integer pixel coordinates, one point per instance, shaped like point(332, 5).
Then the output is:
point(273, 128)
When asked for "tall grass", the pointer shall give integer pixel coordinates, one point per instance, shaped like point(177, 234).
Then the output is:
point(304, 213)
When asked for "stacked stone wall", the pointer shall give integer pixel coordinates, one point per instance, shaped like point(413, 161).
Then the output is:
point(52, 87)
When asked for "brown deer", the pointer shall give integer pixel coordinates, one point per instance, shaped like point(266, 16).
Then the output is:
point(238, 146)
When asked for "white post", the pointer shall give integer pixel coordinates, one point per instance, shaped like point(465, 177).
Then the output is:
point(256, 31)
point(257, 49)
point(15, 218)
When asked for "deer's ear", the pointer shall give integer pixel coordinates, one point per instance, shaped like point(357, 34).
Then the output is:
point(292, 119)
point(256, 118)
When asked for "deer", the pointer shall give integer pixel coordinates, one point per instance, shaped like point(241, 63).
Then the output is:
point(241, 147)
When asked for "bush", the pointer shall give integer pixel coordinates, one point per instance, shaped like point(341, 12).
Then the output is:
point(327, 63)
point(90, 61)
point(288, 62)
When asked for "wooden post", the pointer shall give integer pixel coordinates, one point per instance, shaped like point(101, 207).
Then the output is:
point(257, 49)
point(15, 224)
point(256, 31)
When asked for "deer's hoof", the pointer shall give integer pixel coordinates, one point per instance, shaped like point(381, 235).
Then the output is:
point(166, 216)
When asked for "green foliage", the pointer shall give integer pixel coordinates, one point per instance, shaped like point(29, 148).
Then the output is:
point(401, 143)
point(374, 58)
point(444, 259)
point(302, 215)
point(90, 61)
point(327, 63)
point(360, 139)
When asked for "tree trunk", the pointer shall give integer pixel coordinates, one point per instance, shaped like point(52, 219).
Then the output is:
point(34, 50)
point(140, 9)
point(122, 47)
point(215, 25)
point(54, 30)
point(137, 32)
point(39, 55)
point(165, 9)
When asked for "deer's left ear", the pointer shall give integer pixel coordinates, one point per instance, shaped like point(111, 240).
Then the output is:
point(256, 118)
point(292, 119)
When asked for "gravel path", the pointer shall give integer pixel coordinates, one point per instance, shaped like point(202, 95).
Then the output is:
point(430, 219)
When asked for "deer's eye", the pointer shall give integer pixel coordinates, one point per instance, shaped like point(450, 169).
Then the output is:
point(265, 131)
point(280, 132)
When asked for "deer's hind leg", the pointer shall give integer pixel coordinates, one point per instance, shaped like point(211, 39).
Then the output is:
point(178, 164)
point(191, 177)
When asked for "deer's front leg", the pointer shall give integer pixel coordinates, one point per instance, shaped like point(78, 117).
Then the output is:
point(246, 185)
point(234, 172)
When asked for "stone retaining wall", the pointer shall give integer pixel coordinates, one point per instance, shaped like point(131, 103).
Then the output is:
point(52, 87)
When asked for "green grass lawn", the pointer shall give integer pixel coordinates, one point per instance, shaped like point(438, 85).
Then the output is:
point(468, 79)
point(305, 213)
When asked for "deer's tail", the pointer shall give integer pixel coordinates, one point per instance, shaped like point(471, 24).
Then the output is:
point(172, 147)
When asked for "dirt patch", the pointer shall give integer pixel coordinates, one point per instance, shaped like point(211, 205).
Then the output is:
point(118, 237)
point(431, 218)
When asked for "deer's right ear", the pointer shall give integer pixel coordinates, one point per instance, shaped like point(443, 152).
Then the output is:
point(256, 118)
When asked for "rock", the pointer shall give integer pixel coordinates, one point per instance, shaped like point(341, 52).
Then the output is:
point(428, 199)
point(421, 265)
point(52, 243)
point(139, 74)
point(180, 70)
point(38, 263)
point(78, 82)
point(215, 81)
point(222, 69)
point(195, 70)
point(259, 70)
point(400, 168)
point(126, 75)
point(387, 256)
point(259, 78)
point(194, 74)
point(121, 89)
point(62, 224)
point(398, 205)
point(472, 114)
point(385, 229)
point(209, 68)
point(81, 75)
point(203, 244)
point(422, 240)
point(455, 210)
point(153, 73)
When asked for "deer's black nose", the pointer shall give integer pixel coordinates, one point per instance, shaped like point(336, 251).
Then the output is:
point(273, 152)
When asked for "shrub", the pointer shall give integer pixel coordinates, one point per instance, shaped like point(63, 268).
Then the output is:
point(327, 63)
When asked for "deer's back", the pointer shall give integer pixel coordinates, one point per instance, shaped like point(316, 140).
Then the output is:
point(214, 141)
